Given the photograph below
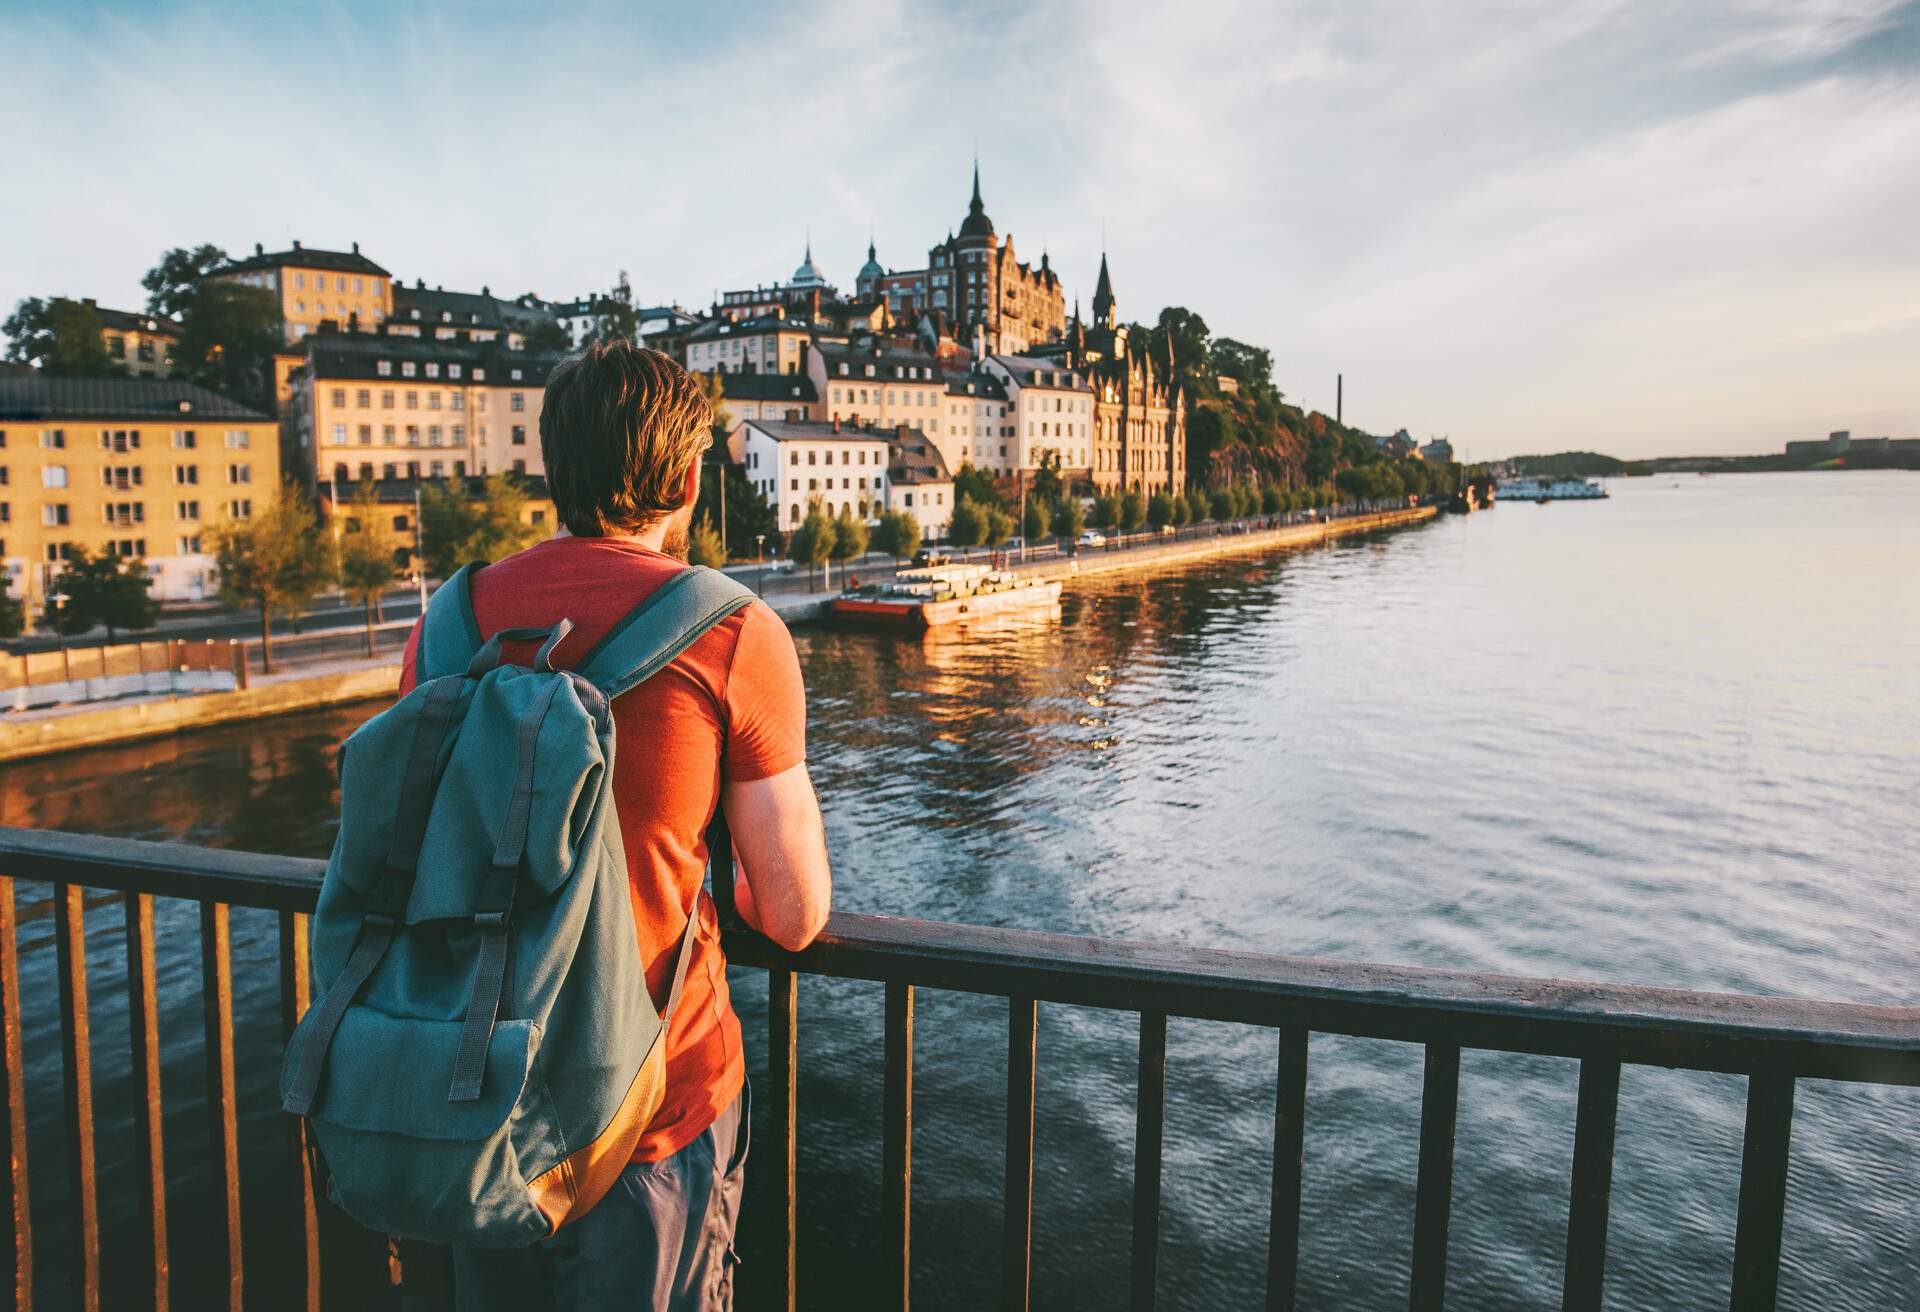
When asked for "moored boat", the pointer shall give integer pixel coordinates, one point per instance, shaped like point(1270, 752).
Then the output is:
point(945, 594)
point(1544, 490)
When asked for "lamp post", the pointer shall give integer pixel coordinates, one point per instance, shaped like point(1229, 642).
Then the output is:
point(759, 566)
point(419, 549)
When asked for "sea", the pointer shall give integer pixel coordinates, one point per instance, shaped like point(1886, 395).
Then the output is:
point(1668, 738)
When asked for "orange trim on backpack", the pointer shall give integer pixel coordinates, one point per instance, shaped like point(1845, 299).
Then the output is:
point(569, 1190)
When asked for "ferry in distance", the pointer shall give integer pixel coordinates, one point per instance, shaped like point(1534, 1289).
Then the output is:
point(1549, 489)
point(946, 594)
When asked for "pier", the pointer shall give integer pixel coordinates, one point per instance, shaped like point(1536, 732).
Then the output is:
point(1774, 1043)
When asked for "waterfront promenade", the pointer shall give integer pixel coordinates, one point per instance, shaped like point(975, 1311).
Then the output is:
point(339, 678)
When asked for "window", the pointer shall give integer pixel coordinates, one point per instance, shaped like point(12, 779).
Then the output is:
point(519, 399)
point(189, 546)
point(363, 398)
point(480, 376)
point(515, 375)
point(119, 439)
point(366, 435)
point(53, 515)
point(539, 519)
point(339, 435)
point(459, 434)
point(519, 466)
point(453, 371)
point(239, 473)
point(185, 474)
point(386, 435)
point(413, 400)
point(519, 435)
point(433, 400)
point(793, 458)
point(386, 399)
point(340, 396)
point(456, 401)
point(413, 435)
point(242, 509)
point(433, 370)
point(299, 280)
point(438, 468)
point(186, 510)
point(406, 368)
point(796, 485)
point(53, 476)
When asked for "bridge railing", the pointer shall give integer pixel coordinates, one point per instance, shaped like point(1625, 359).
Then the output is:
point(1773, 1042)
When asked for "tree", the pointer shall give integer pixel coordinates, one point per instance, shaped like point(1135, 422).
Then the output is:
point(1037, 518)
point(849, 536)
point(1188, 334)
point(173, 282)
point(813, 541)
point(1273, 500)
point(1250, 366)
point(549, 337)
point(1178, 508)
point(60, 336)
point(456, 527)
point(703, 546)
point(1160, 510)
point(748, 516)
point(1069, 518)
point(228, 335)
point(1133, 511)
point(976, 485)
point(1198, 508)
point(969, 525)
point(897, 534)
point(1106, 511)
point(274, 560)
point(1046, 486)
point(13, 615)
point(615, 315)
point(367, 565)
point(109, 590)
point(998, 526)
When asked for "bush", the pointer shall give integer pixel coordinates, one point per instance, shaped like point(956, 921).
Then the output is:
point(703, 545)
point(969, 526)
point(1160, 510)
point(1037, 519)
point(1069, 517)
point(1133, 511)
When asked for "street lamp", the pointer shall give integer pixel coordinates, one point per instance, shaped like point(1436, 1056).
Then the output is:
point(760, 569)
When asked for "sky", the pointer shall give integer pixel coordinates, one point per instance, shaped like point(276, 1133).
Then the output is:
point(1636, 226)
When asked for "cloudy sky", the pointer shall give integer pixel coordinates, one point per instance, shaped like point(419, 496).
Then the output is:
point(1639, 226)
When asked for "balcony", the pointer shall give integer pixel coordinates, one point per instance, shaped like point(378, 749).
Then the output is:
point(1774, 1043)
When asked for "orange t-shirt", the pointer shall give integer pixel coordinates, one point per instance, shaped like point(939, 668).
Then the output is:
point(732, 703)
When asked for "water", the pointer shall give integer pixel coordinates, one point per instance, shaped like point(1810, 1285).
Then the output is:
point(1671, 738)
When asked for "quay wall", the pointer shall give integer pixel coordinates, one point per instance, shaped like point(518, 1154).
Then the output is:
point(26, 734)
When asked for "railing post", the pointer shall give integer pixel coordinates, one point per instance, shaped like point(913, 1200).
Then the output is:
point(1016, 1262)
point(239, 665)
point(897, 1146)
point(783, 998)
point(216, 975)
point(296, 995)
point(1594, 1122)
point(143, 1027)
point(1289, 1131)
point(1148, 1120)
point(1433, 1193)
point(76, 1068)
point(19, 1215)
point(1763, 1191)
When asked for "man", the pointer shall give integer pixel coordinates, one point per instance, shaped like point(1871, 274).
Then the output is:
point(623, 430)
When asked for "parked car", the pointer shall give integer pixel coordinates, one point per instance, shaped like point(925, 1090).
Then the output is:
point(924, 558)
point(1093, 538)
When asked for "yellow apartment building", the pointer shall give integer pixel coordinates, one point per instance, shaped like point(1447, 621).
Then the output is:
point(142, 344)
point(313, 286)
point(136, 466)
point(388, 406)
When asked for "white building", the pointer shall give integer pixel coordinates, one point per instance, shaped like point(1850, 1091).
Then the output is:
point(881, 385)
point(979, 423)
point(792, 463)
point(918, 480)
point(1052, 410)
point(771, 344)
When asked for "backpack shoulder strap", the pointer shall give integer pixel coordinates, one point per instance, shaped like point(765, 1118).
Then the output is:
point(672, 617)
point(449, 635)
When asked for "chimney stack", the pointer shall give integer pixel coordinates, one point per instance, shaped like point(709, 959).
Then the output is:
point(1339, 398)
point(836, 423)
point(296, 243)
point(356, 248)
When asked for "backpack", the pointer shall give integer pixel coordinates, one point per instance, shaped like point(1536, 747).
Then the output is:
point(485, 1054)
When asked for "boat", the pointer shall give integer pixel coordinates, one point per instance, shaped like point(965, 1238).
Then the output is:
point(945, 594)
point(1544, 490)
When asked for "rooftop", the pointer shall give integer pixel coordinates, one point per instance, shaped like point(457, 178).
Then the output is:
point(1029, 371)
point(805, 430)
point(306, 257)
point(40, 397)
point(913, 459)
point(768, 387)
point(482, 309)
point(130, 321)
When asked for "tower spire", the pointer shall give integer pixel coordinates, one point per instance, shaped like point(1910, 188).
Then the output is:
point(1103, 296)
point(976, 183)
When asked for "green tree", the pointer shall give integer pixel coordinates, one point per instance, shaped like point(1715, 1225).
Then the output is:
point(1220, 504)
point(976, 485)
point(998, 526)
point(1133, 511)
point(1273, 500)
point(13, 615)
point(275, 560)
point(173, 282)
point(1106, 511)
point(60, 336)
point(457, 527)
point(703, 545)
point(1069, 518)
point(615, 315)
point(897, 534)
point(549, 337)
point(109, 590)
point(367, 564)
point(1047, 485)
point(748, 516)
point(228, 335)
point(1160, 510)
point(813, 541)
point(969, 525)
point(849, 536)
point(1037, 518)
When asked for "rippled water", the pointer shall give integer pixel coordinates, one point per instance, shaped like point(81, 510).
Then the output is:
point(1672, 738)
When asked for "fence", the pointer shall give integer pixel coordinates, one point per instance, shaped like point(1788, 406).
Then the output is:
point(1773, 1042)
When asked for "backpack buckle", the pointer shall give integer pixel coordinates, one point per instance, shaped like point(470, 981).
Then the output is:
point(490, 921)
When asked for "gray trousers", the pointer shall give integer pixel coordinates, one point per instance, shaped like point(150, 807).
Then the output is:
point(662, 1239)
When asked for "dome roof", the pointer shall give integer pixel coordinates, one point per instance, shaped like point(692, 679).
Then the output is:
point(806, 275)
point(871, 269)
point(976, 224)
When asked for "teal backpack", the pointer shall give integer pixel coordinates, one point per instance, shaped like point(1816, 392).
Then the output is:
point(485, 1054)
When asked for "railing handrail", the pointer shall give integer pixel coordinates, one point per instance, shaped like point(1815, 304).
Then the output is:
point(1691, 1029)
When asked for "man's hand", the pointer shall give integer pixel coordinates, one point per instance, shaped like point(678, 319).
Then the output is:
point(783, 854)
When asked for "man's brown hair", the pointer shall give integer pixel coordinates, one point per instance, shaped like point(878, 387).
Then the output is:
point(619, 429)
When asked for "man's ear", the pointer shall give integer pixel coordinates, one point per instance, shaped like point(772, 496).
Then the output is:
point(690, 494)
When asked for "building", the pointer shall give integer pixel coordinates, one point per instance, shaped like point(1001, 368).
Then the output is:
point(919, 480)
point(794, 464)
point(142, 344)
point(135, 466)
point(1139, 432)
point(979, 425)
point(878, 381)
point(802, 296)
point(976, 278)
point(390, 405)
point(395, 497)
point(1400, 445)
point(1053, 411)
point(657, 322)
point(1439, 449)
point(312, 287)
point(766, 344)
point(769, 396)
point(423, 311)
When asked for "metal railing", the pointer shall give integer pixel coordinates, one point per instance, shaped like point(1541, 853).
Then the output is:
point(1774, 1042)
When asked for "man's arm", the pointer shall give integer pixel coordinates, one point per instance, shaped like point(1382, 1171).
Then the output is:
point(785, 886)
